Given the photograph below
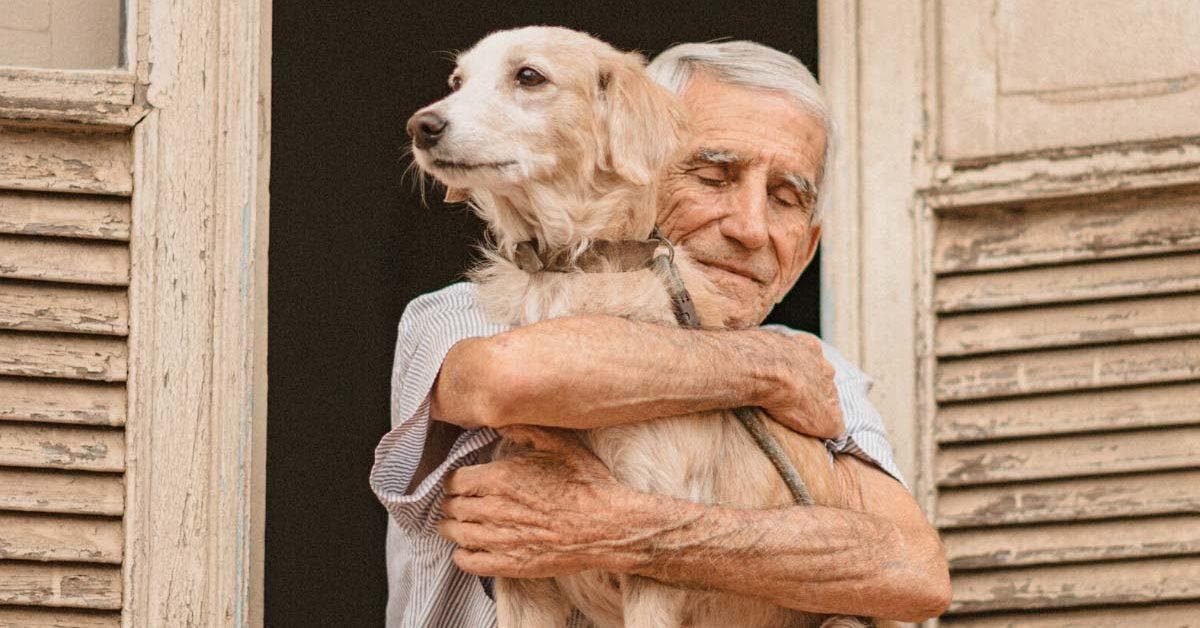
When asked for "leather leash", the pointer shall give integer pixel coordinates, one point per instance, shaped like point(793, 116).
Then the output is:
point(632, 255)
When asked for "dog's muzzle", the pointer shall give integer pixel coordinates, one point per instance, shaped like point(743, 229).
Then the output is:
point(426, 128)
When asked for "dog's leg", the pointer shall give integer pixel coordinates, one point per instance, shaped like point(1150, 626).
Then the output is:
point(532, 603)
point(650, 604)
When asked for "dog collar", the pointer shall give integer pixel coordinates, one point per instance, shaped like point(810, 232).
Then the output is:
point(602, 256)
point(616, 256)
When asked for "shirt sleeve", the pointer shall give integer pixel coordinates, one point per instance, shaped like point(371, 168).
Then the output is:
point(429, 327)
point(865, 435)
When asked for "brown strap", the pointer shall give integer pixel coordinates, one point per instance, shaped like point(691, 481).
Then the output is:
point(632, 255)
point(603, 256)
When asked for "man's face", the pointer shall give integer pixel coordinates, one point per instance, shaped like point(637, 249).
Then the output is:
point(741, 204)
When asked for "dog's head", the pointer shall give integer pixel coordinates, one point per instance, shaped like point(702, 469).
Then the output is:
point(542, 106)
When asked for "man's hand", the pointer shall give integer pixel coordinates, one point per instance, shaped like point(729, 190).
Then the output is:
point(551, 510)
point(805, 398)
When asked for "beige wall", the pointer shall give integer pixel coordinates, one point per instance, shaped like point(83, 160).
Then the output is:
point(75, 34)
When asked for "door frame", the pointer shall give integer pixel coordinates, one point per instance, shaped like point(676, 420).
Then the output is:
point(197, 379)
point(871, 56)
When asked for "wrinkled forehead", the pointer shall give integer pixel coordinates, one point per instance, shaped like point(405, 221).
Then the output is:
point(558, 53)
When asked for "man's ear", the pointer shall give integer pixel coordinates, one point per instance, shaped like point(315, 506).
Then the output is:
point(644, 122)
point(813, 241)
point(457, 195)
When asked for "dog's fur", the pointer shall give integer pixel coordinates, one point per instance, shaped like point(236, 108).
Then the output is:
point(565, 163)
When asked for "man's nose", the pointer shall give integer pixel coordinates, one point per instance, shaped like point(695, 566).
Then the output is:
point(425, 128)
point(747, 218)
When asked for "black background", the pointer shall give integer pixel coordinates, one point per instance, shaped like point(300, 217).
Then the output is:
point(351, 244)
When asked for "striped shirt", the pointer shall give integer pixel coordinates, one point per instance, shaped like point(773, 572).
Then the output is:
point(425, 587)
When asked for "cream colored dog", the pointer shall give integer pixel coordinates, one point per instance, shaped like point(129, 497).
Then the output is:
point(557, 138)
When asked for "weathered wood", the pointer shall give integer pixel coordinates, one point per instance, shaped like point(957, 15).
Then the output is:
point(99, 163)
point(1068, 369)
point(1074, 542)
point(1065, 500)
point(842, 265)
point(1157, 615)
point(71, 586)
point(65, 215)
point(1070, 456)
point(51, 401)
point(1011, 82)
point(1020, 178)
point(62, 492)
point(1066, 325)
point(63, 89)
point(1035, 588)
point(57, 259)
point(198, 317)
point(1070, 412)
point(1061, 284)
point(59, 538)
point(93, 99)
point(1077, 230)
point(17, 617)
point(59, 307)
point(61, 447)
point(70, 357)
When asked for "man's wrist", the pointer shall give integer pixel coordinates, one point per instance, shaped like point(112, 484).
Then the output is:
point(656, 528)
point(642, 519)
point(766, 372)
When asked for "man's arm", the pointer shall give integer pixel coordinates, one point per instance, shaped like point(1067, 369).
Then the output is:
point(594, 371)
point(882, 559)
point(556, 510)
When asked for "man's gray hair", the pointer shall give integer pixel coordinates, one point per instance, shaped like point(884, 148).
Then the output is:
point(747, 64)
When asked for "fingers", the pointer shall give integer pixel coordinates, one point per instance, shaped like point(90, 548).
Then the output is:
point(491, 509)
point(464, 533)
point(475, 481)
point(501, 565)
point(483, 563)
point(483, 536)
point(467, 508)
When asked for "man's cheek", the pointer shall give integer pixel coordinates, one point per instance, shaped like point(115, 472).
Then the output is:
point(681, 211)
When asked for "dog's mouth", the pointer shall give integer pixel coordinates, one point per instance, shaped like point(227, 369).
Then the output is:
point(464, 166)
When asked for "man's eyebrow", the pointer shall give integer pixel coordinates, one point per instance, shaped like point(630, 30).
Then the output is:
point(713, 156)
point(801, 183)
point(804, 186)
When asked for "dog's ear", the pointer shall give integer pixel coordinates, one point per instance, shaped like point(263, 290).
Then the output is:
point(457, 195)
point(644, 122)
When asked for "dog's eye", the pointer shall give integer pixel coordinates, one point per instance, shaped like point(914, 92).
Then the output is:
point(455, 83)
point(529, 77)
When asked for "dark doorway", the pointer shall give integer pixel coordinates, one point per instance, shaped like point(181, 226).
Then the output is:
point(351, 244)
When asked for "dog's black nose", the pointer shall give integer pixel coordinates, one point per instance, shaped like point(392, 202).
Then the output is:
point(425, 128)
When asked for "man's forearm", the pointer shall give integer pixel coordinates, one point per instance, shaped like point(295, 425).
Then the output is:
point(585, 372)
point(554, 509)
point(815, 559)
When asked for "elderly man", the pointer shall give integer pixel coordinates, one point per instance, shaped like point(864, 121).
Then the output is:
point(743, 205)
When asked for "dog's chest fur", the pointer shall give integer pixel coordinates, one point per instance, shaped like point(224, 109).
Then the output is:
point(706, 458)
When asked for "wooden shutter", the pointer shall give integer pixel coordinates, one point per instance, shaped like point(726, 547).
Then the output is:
point(1066, 312)
point(1014, 255)
point(1067, 426)
point(133, 215)
point(64, 318)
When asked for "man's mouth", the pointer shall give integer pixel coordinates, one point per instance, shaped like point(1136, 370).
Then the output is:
point(733, 270)
point(447, 164)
